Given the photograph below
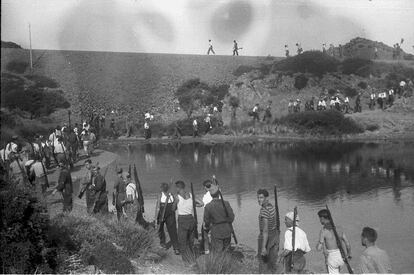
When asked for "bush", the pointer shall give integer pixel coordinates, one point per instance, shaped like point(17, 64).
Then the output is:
point(18, 67)
point(11, 82)
point(352, 65)
point(193, 94)
point(25, 247)
point(242, 69)
point(320, 123)
point(363, 85)
point(350, 92)
point(218, 263)
point(300, 81)
point(110, 260)
point(36, 102)
point(313, 62)
point(42, 81)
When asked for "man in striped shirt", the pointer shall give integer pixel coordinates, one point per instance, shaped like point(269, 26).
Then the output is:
point(268, 241)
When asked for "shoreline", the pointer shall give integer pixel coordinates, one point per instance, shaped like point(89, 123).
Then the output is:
point(220, 139)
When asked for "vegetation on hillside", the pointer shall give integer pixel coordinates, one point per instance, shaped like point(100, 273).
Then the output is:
point(8, 44)
point(325, 123)
point(18, 67)
point(194, 94)
point(27, 94)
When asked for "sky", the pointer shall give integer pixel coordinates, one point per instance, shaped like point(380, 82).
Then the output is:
point(261, 27)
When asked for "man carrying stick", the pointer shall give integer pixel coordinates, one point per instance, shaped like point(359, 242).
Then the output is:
point(268, 240)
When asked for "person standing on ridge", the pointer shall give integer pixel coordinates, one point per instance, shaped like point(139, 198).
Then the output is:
point(210, 47)
point(235, 48)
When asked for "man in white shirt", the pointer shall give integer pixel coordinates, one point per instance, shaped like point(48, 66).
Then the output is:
point(210, 47)
point(195, 128)
point(301, 246)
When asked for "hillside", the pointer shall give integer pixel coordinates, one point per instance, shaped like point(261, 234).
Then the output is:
point(127, 81)
point(7, 44)
point(364, 48)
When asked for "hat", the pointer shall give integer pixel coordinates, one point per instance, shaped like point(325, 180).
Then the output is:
point(290, 216)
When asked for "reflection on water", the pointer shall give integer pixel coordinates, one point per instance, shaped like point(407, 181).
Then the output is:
point(366, 184)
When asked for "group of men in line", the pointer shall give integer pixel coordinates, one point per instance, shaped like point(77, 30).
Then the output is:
point(386, 98)
point(175, 211)
point(323, 103)
point(267, 116)
point(236, 48)
point(332, 51)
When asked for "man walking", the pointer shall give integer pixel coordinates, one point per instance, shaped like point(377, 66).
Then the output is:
point(210, 47)
point(216, 220)
point(195, 128)
point(165, 215)
point(99, 187)
point(183, 202)
point(87, 186)
point(268, 240)
point(120, 194)
point(373, 259)
point(301, 246)
point(235, 48)
point(65, 187)
point(327, 243)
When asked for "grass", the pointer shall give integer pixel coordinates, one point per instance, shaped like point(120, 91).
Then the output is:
point(218, 263)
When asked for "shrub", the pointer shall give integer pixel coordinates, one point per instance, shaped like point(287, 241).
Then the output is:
point(300, 81)
point(110, 260)
point(350, 92)
point(11, 82)
point(134, 239)
point(320, 123)
point(36, 102)
point(42, 81)
point(372, 127)
point(18, 67)
point(363, 85)
point(193, 94)
point(25, 247)
point(242, 69)
point(313, 62)
point(408, 57)
point(352, 65)
point(218, 263)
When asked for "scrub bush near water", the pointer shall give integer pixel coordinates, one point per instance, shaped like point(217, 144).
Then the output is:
point(320, 123)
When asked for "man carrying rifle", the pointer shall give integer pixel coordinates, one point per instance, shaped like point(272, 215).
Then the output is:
point(328, 243)
point(99, 187)
point(87, 187)
point(65, 187)
point(268, 240)
point(183, 202)
point(120, 194)
point(299, 244)
point(41, 182)
point(165, 214)
point(216, 220)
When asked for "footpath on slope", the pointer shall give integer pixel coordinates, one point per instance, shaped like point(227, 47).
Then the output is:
point(170, 264)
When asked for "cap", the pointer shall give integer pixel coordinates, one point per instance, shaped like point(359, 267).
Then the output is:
point(290, 216)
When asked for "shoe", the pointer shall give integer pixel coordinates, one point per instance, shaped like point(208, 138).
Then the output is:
point(176, 252)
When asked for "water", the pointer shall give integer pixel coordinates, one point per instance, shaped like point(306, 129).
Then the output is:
point(364, 184)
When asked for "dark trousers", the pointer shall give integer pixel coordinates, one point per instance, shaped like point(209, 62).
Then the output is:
point(255, 116)
point(119, 210)
point(90, 200)
point(186, 227)
point(67, 202)
point(218, 245)
point(235, 52)
point(172, 231)
point(101, 205)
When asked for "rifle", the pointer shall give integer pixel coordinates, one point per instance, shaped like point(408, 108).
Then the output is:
point(195, 212)
point(86, 187)
point(295, 214)
point(139, 189)
point(129, 170)
point(277, 210)
point(338, 242)
point(227, 215)
point(165, 207)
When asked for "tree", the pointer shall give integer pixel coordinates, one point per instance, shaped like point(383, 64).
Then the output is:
point(234, 102)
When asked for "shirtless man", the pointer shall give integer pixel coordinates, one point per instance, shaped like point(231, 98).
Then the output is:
point(327, 243)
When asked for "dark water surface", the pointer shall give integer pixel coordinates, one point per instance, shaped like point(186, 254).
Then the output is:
point(365, 184)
